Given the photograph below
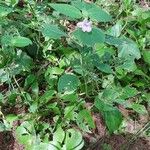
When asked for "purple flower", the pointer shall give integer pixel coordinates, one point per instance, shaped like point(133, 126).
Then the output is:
point(85, 25)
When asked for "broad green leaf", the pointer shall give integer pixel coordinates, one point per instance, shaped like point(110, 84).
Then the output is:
point(67, 10)
point(52, 31)
point(146, 56)
point(139, 108)
point(104, 68)
point(85, 115)
point(112, 115)
point(73, 140)
point(33, 107)
point(59, 135)
point(89, 38)
point(103, 105)
point(20, 41)
point(55, 71)
point(11, 118)
point(12, 2)
point(96, 13)
point(126, 47)
point(83, 6)
point(35, 88)
point(29, 80)
point(69, 112)
point(102, 49)
point(113, 119)
point(48, 95)
point(129, 65)
point(69, 97)
point(24, 134)
point(23, 62)
point(5, 10)
point(128, 92)
point(116, 29)
point(92, 11)
point(68, 83)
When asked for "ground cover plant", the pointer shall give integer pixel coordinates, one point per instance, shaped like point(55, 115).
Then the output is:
point(74, 74)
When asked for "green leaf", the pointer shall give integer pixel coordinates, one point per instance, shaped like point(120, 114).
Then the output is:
point(96, 13)
point(24, 134)
point(129, 65)
point(67, 10)
point(59, 135)
point(83, 6)
point(146, 56)
point(5, 10)
point(1, 98)
point(104, 68)
point(52, 31)
point(73, 140)
point(128, 92)
point(56, 71)
point(103, 106)
point(23, 62)
point(69, 112)
point(11, 118)
point(85, 115)
point(29, 80)
point(116, 29)
point(126, 47)
point(68, 83)
point(113, 119)
point(48, 95)
point(89, 38)
point(20, 41)
point(112, 115)
point(33, 107)
point(72, 97)
point(139, 108)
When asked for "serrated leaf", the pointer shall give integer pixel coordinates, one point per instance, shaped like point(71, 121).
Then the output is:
point(68, 83)
point(89, 38)
point(52, 31)
point(67, 10)
point(96, 13)
point(20, 41)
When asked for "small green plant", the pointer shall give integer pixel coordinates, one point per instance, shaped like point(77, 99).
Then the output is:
point(57, 57)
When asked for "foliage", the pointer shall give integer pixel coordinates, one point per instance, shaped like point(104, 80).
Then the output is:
point(53, 69)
